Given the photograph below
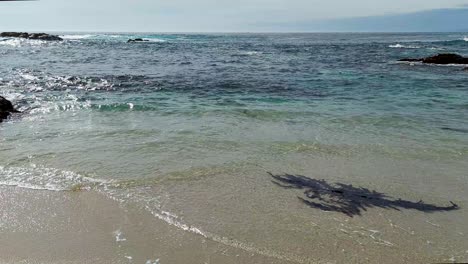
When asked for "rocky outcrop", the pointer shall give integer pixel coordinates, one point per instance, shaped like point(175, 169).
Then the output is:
point(40, 36)
point(137, 40)
point(448, 58)
point(6, 108)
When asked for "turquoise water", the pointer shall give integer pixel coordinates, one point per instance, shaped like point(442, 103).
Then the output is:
point(218, 109)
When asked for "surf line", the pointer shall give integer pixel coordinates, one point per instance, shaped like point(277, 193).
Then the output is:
point(172, 220)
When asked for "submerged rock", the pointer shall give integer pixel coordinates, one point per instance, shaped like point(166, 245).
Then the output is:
point(6, 108)
point(4, 115)
point(40, 36)
point(447, 58)
point(137, 40)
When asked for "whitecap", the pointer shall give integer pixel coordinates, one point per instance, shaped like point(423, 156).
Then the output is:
point(251, 53)
point(76, 36)
point(18, 42)
point(247, 53)
point(154, 40)
point(436, 48)
point(399, 46)
point(465, 39)
point(29, 77)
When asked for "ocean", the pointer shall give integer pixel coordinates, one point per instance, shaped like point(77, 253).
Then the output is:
point(246, 139)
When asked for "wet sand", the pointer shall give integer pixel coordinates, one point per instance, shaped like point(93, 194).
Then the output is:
point(243, 219)
point(86, 227)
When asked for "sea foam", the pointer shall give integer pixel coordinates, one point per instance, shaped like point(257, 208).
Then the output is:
point(42, 178)
point(77, 36)
point(18, 42)
point(399, 46)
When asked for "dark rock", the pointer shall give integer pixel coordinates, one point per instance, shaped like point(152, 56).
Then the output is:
point(447, 58)
point(4, 115)
point(5, 105)
point(40, 36)
point(137, 40)
point(6, 108)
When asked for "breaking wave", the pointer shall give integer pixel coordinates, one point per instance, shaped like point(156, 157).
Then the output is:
point(42, 178)
point(19, 42)
point(77, 36)
point(399, 46)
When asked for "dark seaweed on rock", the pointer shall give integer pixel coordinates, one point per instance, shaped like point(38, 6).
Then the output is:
point(348, 199)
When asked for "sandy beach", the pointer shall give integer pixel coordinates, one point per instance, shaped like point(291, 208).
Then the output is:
point(40, 226)
point(85, 227)
point(233, 148)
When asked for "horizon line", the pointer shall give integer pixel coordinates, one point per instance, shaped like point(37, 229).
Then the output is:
point(232, 32)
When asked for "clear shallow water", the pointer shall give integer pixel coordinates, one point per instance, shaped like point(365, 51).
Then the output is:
point(152, 122)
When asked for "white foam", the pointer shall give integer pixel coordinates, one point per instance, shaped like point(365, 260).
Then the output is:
point(19, 42)
point(153, 206)
point(119, 236)
point(154, 40)
point(42, 178)
point(76, 36)
point(399, 46)
point(29, 77)
point(251, 53)
point(173, 220)
point(419, 63)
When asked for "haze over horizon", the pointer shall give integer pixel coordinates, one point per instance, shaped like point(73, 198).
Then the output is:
point(239, 16)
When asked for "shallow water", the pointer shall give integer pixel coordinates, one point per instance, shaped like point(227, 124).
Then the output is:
point(188, 127)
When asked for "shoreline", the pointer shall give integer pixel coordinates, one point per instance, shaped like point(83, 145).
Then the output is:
point(42, 226)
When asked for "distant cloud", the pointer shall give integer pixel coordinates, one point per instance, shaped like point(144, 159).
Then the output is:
point(438, 20)
point(228, 15)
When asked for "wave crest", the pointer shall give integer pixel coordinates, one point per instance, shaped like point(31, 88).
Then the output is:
point(399, 46)
point(77, 36)
point(19, 42)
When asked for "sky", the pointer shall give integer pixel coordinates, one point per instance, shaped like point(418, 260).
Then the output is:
point(226, 15)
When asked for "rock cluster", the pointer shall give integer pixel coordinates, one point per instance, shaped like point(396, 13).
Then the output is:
point(40, 36)
point(447, 58)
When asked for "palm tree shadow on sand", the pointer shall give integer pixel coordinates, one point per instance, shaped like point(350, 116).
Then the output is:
point(348, 199)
